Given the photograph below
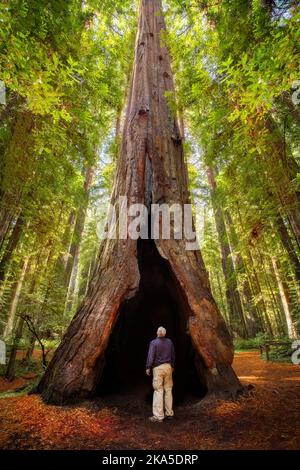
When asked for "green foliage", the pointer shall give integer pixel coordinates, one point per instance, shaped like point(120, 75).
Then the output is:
point(245, 344)
point(280, 354)
point(65, 65)
point(234, 62)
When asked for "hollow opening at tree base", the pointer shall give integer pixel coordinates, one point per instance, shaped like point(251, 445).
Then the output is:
point(159, 301)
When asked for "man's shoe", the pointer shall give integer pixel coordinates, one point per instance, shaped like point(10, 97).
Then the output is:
point(168, 418)
point(153, 419)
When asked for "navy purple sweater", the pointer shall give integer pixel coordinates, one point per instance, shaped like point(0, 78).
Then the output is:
point(161, 351)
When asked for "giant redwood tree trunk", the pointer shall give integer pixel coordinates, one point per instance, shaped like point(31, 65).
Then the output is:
point(151, 168)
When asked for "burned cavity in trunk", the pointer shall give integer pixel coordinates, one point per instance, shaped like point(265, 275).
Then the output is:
point(159, 301)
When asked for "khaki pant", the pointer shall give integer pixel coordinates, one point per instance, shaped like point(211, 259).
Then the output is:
point(162, 396)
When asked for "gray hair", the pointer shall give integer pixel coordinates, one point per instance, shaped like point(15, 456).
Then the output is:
point(161, 331)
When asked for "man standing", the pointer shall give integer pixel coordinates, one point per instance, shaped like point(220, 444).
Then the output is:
point(161, 359)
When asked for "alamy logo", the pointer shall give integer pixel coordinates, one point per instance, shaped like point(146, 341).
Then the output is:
point(122, 221)
point(2, 352)
point(296, 354)
point(2, 93)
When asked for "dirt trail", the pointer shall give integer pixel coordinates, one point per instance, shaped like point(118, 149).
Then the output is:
point(270, 419)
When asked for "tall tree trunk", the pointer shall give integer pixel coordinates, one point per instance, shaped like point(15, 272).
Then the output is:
point(85, 275)
point(43, 265)
point(222, 300)
point(268, 326)
point(33, 326)
point(5, 221)
point(284, 295)
point(79, 226)
point(282, 170)
point(235, 309)
point(11, 246)
point(10, 368)
point(280, 317)
point(266, 274)
point(252, 319)
point(151, 169)
point(288, 245)
point(254, 281)
point(74, 253)
point(17, 169)
point(62, 260)
point(267, 277)
point(14, 301)
point(258, 291)
point(70, 300)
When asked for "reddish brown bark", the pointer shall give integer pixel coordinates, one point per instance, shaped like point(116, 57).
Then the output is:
point(151, 164)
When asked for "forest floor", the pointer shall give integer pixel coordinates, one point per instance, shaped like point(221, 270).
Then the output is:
point(267, 419)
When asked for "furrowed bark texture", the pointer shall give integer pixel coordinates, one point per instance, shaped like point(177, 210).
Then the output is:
point(151, 167)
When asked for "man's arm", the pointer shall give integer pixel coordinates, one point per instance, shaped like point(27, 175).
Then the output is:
point(172, 355)
point(150, 357)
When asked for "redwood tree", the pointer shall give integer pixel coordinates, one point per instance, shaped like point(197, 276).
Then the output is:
point(151, 168)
